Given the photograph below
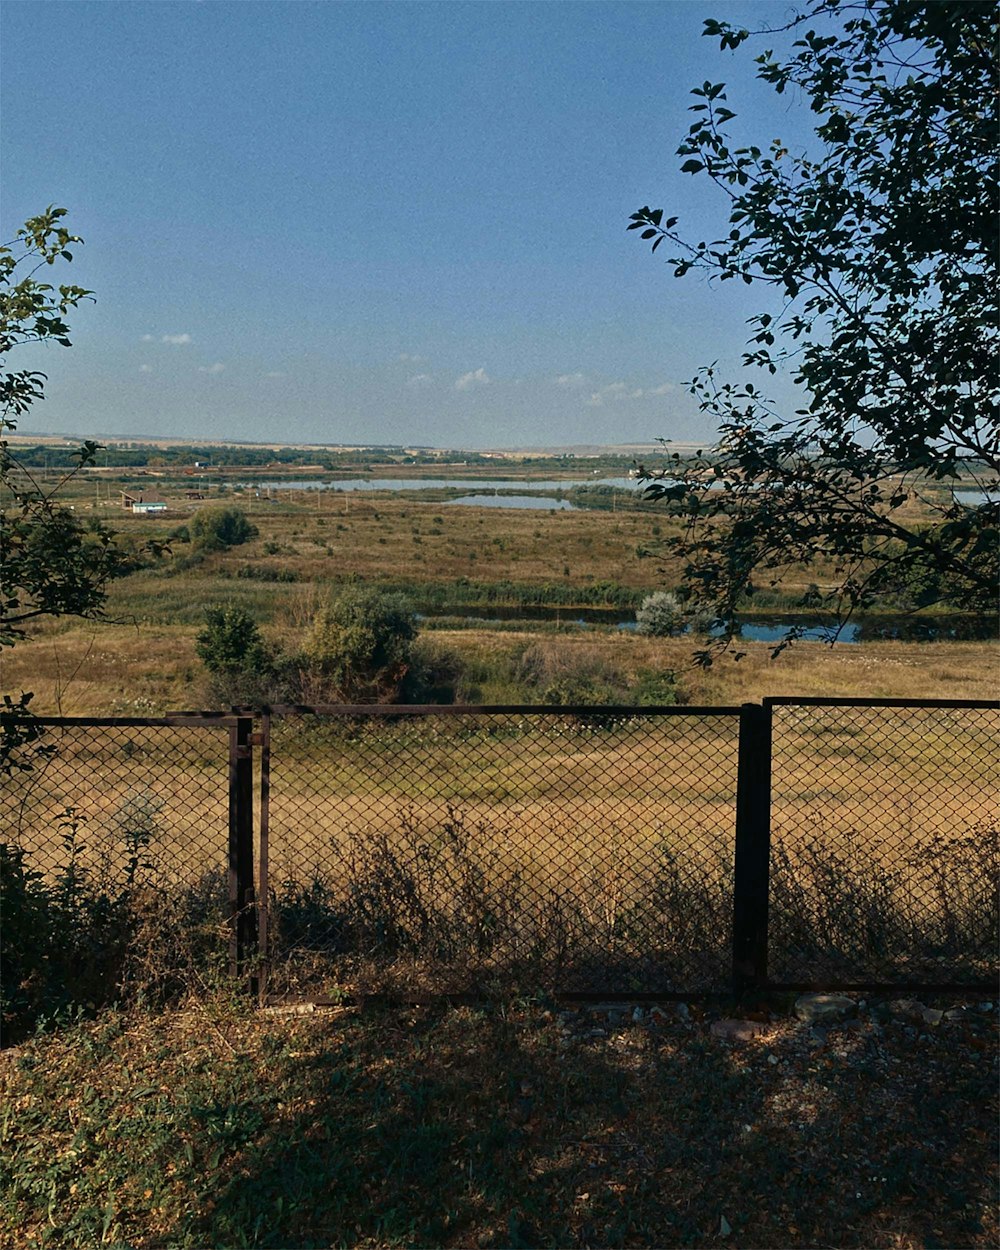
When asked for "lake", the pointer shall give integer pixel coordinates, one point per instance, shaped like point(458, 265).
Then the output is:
point(477, 485)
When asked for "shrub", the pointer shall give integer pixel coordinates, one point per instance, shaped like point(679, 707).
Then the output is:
point(231, 642)
point(358, 648)
point(215, 529)
point(656, 689)
point(242, 667)
point(434, 675)
point(659, 615)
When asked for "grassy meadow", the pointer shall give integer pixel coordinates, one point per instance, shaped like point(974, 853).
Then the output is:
point(516, 854)
point(448, 559)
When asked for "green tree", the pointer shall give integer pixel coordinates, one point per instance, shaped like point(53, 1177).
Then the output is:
point(215, 529)
point(50, 564)
point(240, 663)
point(231, 642)
point(878, 252)
point(358, 647)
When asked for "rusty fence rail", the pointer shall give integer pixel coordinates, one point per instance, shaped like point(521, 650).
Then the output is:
point(589, 851)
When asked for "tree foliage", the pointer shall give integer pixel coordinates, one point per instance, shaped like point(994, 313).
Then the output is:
point(215, 529)
point(231, 642)
point(659, 614)
point(877, 253)
point(50, 564)
point(358, 647)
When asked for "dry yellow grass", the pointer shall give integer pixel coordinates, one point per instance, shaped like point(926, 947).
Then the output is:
point(80, 669)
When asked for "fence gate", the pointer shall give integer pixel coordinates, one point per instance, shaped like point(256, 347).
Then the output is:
point(429, 848)
point(162, 804)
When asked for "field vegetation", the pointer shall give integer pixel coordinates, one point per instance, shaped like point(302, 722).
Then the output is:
point(449, 561)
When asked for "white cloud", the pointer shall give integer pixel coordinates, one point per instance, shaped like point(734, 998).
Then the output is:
point(617, 392)
point(419, 379)
point(573, 380)
point(145, 368)
point(218, 367)
point(478, 377)
point(176, 340)
point(275, 373)
point(410, 359)
point(146, 338)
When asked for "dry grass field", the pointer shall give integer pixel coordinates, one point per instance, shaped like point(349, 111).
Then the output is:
point(473, 829)
point(85, 669)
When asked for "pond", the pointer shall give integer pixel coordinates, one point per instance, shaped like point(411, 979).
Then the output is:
point(516, 501)
point(871, 629)
point(519, 486)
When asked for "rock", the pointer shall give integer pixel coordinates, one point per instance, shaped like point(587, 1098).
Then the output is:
point(773, 1060)
point(638, 1015)
point(913, 1012)
point(737, 1030)
point(670, 1011)
point(824, 1008)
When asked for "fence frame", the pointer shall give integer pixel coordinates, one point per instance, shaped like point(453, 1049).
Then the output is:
point(248, 883)
point(752, 833)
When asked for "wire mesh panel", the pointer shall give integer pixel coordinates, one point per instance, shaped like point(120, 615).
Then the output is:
point(124, 804)
point(884, 843)
point(586, 851)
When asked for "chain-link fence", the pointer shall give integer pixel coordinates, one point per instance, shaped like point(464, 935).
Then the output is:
point(613, 851)
point(114, 837)
point(582, 850)
point(884, 842)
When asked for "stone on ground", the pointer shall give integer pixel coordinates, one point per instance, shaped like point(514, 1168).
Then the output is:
point(824, 1008)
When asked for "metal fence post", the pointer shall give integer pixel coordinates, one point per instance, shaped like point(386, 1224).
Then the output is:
point(753, 849)
point(242, 913)
point(263, 888)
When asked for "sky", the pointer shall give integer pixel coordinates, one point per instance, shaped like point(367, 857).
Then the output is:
point(376, 223)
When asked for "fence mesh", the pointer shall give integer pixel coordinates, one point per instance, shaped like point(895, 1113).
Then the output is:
point(884, 843)
point(99, 809)
point(593, 852)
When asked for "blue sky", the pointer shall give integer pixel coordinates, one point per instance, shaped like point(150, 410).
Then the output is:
point(375, 222)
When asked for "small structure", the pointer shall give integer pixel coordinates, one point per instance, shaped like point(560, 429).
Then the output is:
point(136, 503)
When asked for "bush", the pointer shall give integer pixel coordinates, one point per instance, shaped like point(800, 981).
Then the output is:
point(243, 668)
point(358, 648)
point(435, 674)
point(564, 674)
point(656, 689)
point(215, 529)
point(659, 615)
